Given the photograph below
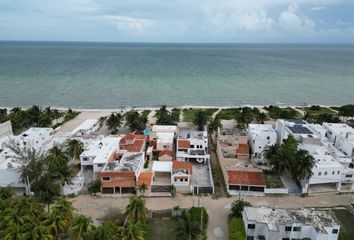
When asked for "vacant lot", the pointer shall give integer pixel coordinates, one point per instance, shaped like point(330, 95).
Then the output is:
point(228, 114)
point(346, 221)
point(322, 110)
point(161, 229)
point(188, 114)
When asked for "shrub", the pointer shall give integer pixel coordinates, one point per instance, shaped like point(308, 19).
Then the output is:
point(94, 186)
point(236, 229)
point(237, 208)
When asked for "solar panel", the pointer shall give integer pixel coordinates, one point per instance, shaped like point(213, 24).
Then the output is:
point(299, 129)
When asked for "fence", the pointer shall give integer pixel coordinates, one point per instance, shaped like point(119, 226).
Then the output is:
point(200, 190)
point(276, 191)
point(166, 213)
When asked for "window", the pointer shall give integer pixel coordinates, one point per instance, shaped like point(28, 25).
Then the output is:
point(338, 172)
point(175, 179)
point(250, 238)
point(181, 180)
point(251, 226)
point(349, 175)
point(106, 179)
point(285, 238)
point(288, 229)
point(186, 180)
point(333, 173)
point(268, 138)
point(334, 231)
point(254, 141)
point(100, 165)
point(319, 174)
point(325, 173)
point(192, 146)
point(296, 229)
point(85, 159)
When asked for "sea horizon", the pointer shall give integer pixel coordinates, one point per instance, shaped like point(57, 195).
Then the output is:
point(117, 75)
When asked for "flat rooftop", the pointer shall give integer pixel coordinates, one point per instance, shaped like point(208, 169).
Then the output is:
point(322, 156)
point(342, 129)
point(191, 133)
point(165, 137)
point(259, 128)
point(101, 149)
point(164, 128)
point(128, 163)
point(86, 125)
point(306, 216)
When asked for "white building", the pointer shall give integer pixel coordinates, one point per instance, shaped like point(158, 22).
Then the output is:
point(285, 224)
point(5, 129)
point(98, 152)
point(260, 136)
point(10, 175)
point(192, 146)
point(87, 127)
point(342, 137)
point(163, 136)
point(327, 173)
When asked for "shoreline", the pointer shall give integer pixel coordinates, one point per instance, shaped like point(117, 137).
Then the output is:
point(126, 109)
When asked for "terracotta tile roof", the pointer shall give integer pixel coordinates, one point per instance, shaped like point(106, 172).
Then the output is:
point(118, 179)
point(166, 152)
point(136, 146)
point(248, 178)
point(182, 165)
point(146, 178)
point(243, 149)
point(120, 183)
point(183, 143)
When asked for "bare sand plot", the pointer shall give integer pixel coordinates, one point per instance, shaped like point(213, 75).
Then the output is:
point(83, 116)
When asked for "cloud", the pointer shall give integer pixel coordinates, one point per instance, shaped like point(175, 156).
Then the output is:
point(130, 24)
point(291, 22)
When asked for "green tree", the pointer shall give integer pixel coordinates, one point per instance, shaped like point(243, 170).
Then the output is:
point(187, 228)
point(94, 186)
point(214, 125)
point(303, 165)
point(114, 121)
point(163, 116)
point(46, 198)
point(135, 121)
point(6, 193)
point(107, 231)
point(74, 148)
point(135, 211)
point(80, 227)
point(237, 208)
point(200, 120)
point(142, 188)
point(261, 117)
point(133, 232)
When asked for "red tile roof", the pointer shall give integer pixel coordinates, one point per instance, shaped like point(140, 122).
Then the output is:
point(248, 178)
point(182, 165)
point(166, 152)
point(136, 146)
point(183, 143)
point(146, 178)
point(243, 149)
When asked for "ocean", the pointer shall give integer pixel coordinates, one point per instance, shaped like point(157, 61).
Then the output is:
point(118, 75)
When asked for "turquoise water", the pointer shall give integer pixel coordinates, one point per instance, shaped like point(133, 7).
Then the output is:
point(109, 75)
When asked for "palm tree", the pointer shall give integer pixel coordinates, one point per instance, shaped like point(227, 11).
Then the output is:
point(237, 208)
point(114, 121)
point(6, 193)
point(63, 208)
point(200, 120)
point(261, 117)
point(187, 229)
point(133, 232)
point(108, 231)
point(39, 231)
point(274, 157)
point(46, 198)
point(74, 148)
point(57, 153)
point(173, 190)
point(80, 227)
point(303, 166)
point(135, 211)
point(142, 188)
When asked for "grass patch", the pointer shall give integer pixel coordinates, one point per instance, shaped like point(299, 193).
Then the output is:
point(188, 114)
point(346, 222)
point(272, 180)
point(320, 110)
point(218, 177)
point(175, 114)
point(236, 229)
point(145, 113)
point(161, 229)
point(228, 114)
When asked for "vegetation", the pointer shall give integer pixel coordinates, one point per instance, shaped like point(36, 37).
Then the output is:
point(161, 229)
point(142, 188)
point(237, 208)
point(135, 121)
point(236, 229)
point(74, 148)
point(200, 120)
point(189, 114)
point(164, 117)
point(287, 157)
point(276, 112)
point(94, 186)
point(136, 212)
point(227, 114)
point(272, 180)
point(214, 125)
point(114, 121)
point(346, 222)
point(192, 224)
point(145, 113)
point(175, 114)
point(346, 111)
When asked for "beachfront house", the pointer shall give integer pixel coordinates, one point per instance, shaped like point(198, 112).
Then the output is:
point(285, 224)
point(120, 173)
point(260, 136)
point(96, 155)
point(192, 146)
point(85, 128)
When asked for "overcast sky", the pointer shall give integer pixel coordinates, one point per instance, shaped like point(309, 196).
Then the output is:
point(178, 20)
